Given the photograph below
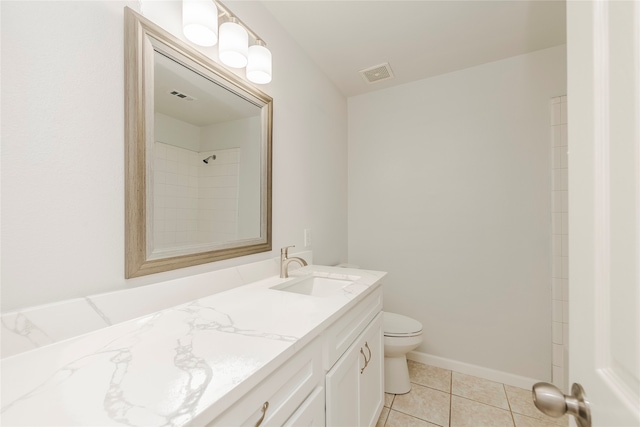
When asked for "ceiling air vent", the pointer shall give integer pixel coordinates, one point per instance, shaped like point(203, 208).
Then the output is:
point(377, 74)
point(181, 95)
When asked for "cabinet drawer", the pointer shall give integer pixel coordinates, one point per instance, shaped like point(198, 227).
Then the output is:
point(340, 335)
point(280, 394)
point(311, 412)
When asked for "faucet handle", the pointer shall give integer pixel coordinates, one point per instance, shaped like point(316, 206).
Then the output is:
point(285, 251)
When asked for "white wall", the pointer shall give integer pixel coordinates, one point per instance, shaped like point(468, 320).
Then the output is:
point(170, 130)
point(449, 191)
point(63, 148)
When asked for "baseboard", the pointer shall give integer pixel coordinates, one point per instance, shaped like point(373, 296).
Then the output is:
point(475, 370)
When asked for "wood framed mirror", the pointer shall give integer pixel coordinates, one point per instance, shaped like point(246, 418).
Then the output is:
point(197, 156)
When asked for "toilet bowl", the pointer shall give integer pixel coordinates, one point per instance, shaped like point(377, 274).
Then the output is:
point(401, 335)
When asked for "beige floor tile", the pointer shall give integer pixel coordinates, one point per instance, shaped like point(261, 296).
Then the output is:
point(479, 389)
point(521, 402)
point(424, 403)
point(430, 376)
point(383, 417)
point(524, 421)
point(468, 413)
point(398, 419)
point(388, 399)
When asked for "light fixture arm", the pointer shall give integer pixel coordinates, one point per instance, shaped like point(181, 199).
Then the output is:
point(224, 12)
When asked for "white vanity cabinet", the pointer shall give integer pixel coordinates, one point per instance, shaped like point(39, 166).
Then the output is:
point(354, 360)
point(355, 383)
point(336, 380)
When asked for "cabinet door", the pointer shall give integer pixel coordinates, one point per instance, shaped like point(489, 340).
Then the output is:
point(372, 377)
point(342, 390)
point(355, 384)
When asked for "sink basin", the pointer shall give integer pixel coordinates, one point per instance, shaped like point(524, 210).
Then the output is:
point(314, 286)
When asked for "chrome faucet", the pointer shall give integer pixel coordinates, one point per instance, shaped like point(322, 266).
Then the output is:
point(285, 261)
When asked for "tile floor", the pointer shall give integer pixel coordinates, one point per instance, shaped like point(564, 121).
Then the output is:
point(444, 398)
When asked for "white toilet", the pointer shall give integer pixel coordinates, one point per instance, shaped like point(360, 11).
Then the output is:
point(401, 335)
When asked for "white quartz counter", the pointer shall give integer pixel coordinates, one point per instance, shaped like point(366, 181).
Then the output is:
point(170, 367)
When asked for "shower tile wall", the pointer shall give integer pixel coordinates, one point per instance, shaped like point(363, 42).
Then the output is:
point(218, 196)
point(175, 196)
point(560, 230)
point(194, 202)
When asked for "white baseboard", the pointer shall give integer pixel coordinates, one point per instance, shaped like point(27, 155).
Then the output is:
point(475, 370)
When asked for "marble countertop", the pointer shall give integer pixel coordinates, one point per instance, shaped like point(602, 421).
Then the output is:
point(168, 367)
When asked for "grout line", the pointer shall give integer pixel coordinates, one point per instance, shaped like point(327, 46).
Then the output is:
point(485, 403)
point(513, 419)
point(387, 417)
point(426, 386)
point(417, 418)
point(450, 397)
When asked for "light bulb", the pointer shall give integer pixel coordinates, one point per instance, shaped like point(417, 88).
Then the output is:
point(234, 44)
point(200, 22)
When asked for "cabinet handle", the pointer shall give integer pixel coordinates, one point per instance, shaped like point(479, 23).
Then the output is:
point(264, 412)
point(366, 362)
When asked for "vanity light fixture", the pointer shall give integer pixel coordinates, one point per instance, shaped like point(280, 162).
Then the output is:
point(200, 22)
point(200, 25)
point(234, 44)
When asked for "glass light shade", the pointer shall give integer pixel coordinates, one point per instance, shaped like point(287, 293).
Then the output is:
point(259, 64)
point(200, 21)
point(234, 45)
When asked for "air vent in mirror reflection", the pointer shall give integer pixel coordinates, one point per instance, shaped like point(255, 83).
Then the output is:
point(182, 95)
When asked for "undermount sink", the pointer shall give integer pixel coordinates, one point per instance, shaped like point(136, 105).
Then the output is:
point(314, 286)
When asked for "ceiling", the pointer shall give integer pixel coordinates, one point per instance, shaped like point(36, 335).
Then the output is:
point(419, 39)
point(193, 98)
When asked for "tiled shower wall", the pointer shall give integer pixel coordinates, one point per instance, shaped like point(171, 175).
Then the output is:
point(175, 202)
point(194, 202)
point(218, 196)
point(560, 251)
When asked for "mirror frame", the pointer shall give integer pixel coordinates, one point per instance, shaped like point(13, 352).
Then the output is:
point(140, 37)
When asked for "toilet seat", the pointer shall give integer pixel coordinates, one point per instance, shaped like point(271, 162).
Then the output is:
point(397, 325)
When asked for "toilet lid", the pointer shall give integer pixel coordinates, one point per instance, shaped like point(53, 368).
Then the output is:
point(399, 325)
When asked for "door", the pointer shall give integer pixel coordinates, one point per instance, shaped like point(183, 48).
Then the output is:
point(603, 41)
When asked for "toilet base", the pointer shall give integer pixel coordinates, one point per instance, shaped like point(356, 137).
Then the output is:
point(396, 375)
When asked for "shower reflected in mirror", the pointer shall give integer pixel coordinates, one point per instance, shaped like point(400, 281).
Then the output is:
point(212, 157)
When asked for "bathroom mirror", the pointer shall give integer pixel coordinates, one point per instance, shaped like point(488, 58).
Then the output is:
point(197, 156)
